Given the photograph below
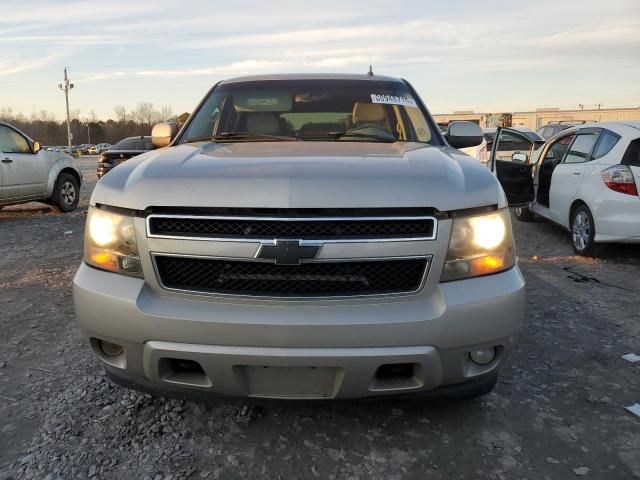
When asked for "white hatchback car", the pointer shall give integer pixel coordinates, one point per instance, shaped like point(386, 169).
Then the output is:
point(586, 179)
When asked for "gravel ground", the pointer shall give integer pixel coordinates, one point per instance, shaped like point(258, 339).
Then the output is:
point(557, 412)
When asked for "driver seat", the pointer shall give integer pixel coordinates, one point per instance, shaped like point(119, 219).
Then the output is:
point(266, 123)
point(369, 115)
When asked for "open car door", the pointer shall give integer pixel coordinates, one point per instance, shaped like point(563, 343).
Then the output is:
point(510, 161)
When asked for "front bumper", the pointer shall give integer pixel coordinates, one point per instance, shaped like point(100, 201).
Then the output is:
point(299, 349)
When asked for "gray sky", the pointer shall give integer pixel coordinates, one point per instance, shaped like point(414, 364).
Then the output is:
point(492, 55)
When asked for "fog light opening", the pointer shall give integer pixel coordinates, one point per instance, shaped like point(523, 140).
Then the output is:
point(397, 376)
point(484, 356)
point(179, 365)
point(110, 349)
point(183, 371)
point(392, 371)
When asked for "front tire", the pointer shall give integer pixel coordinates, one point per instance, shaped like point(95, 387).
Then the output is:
point(583, 231)
point(523, 214)
point(67, 192)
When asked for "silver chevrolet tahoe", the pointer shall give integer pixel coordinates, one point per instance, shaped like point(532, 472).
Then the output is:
point(304, 237)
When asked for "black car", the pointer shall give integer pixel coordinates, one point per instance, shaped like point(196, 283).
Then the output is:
point(122, 151)
point(490, 136)
point(552, 129)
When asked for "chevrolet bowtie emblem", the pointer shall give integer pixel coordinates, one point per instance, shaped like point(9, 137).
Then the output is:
point(288, 252)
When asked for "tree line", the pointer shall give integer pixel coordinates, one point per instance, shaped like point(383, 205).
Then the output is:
point(44, 127)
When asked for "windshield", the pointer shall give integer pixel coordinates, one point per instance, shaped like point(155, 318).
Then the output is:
point(312, 110)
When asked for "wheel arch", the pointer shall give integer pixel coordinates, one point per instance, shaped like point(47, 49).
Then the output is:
point(64, 164)
point(73, 172)
point(574, 206)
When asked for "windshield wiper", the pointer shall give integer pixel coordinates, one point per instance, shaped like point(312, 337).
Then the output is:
point(240, 135)
point(362, 135)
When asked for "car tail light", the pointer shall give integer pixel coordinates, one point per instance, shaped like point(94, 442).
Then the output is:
point(620, 179)
point(482, 153)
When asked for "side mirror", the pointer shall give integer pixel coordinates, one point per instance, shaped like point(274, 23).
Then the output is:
point(36, 147)
point(163, 134)
point(464, 134)
point(519, 157)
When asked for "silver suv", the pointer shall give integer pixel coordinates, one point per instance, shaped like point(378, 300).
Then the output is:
point(28, 173)
point(303, 236)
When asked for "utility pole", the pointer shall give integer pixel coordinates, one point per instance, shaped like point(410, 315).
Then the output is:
point(88, 133)
point(65, 87)
point(599, 105)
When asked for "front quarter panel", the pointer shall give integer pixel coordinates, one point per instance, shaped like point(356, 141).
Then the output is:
point(59, 161)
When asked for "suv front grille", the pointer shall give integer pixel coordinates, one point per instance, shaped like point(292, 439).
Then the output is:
point(305, 280)
point(305, 229)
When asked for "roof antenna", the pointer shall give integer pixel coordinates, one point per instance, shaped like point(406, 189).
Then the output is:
point(370, 72)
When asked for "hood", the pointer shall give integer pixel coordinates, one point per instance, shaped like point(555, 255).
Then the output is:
point(300, 175)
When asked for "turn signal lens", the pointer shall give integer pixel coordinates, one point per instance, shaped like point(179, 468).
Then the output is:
point(110, 242)
point(479, 245)
point(106, 260)
point(485, 265)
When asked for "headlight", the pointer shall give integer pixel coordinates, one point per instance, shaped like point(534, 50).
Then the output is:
point(110, 242)
point(479, 245)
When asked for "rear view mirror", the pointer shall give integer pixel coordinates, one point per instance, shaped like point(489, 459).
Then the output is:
point(36, 147)
point(464, 134)
point(519, 157)
point(163, 134)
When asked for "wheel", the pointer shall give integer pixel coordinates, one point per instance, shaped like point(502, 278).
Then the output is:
point(67, 193)
point(583, 231)
point(523, 214)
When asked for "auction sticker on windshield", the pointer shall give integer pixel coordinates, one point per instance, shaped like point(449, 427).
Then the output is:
point(393, 100)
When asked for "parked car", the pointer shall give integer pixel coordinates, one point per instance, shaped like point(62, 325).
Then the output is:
point(92, 150)
point(123, 151)
point(479, 152)
point(490, 135)
point(28, 173)
point(103, 147)
point(75, 149)
point(303, 236)
point(586, 179)
point(554, 128)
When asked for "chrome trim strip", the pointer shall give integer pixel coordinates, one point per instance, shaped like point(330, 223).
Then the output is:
point(292, 219)
point(428, 260)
